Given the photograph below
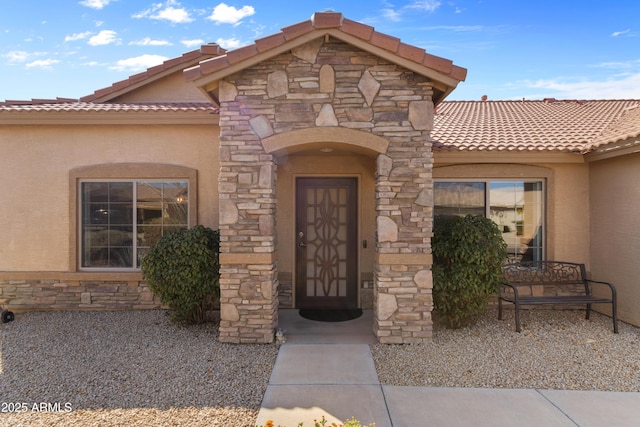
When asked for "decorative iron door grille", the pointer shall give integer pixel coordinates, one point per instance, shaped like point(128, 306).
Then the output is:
point(326, 242)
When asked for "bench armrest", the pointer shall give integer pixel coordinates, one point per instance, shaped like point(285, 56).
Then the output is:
point(610, 285)
point(514, 287)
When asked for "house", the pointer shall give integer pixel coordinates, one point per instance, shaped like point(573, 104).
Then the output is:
point(321, 153)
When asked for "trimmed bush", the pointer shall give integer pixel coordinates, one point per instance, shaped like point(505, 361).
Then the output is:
point(183, 269)
point(468, 253)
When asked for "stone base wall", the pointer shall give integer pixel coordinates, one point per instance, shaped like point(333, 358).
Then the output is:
point(33, 294)
point(248, 303)
point(285, 290)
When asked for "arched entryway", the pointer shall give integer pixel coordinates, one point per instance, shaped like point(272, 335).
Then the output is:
point(325, 217)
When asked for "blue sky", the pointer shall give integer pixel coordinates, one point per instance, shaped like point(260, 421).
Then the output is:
point(513, 49)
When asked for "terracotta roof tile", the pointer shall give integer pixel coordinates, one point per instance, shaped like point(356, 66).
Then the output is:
point(357, 29)
point(75, 106)
point(626, 127)
point(385, 41)
point(238, 55)
point(327, 20)
point(270, 42)
point(549, 125)
point(296, 30)
point(412, 53)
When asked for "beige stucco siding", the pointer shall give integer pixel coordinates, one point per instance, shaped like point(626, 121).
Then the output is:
point(172, 88)
point(35, 168)
point(567, 199)
point(615, 229)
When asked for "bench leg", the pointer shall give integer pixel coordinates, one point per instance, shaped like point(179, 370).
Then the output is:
point(615, 317)
point(588, 311)
point(517, 314)
point(499, 309)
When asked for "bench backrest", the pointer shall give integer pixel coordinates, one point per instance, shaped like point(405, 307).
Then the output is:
point(544, 272)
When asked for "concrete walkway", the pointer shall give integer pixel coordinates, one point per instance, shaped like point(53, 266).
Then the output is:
point(321, 372)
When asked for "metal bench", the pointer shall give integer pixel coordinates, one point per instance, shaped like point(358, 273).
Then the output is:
point(552, 282)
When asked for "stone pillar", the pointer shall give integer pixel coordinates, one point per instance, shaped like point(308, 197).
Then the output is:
point(248, 269)
point(404, 202)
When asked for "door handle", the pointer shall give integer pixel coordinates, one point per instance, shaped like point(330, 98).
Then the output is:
point(301, 236)
point(302, 245)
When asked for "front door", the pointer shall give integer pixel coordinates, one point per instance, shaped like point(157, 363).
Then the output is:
point(326, 242)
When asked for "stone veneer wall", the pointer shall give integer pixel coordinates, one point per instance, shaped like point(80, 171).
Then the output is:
point(60, 293)
point(325, 83)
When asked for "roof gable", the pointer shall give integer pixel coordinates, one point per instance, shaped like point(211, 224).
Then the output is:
point(126, 87)
point(441, 71)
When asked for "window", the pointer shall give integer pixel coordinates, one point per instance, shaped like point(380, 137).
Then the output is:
point(121, 219)
point(515, 206)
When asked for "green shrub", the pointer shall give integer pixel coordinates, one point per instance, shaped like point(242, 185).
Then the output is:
point(468, 253)
point(182, 268)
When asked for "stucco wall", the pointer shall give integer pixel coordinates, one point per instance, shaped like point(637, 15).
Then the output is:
point(615, 229)
point(35, 169)
point(171, 88)
point(567, 200)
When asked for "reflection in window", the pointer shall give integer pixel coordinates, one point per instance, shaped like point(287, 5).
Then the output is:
point(515, 206)
point(120, 220)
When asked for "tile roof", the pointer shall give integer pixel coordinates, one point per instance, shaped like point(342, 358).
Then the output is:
point(76, 106)
point(331, 23)
point(547, 125)
point(626, 127)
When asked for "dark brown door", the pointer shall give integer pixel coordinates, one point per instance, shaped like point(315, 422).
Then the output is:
point(326, 242)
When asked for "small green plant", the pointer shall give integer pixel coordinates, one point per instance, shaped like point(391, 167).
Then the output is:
point(182, 268)
point(468, 253)
point(351, 422)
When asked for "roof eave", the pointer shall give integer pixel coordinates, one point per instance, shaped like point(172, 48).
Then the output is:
point(620, 148)
point(65, 118)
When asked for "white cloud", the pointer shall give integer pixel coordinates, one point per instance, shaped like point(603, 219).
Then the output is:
point(229, 44)
point(428, 5)
point(138, 63)
point(416, 6)
point(224, 14)
point(77, 36)
point(192, 43)
point(624, 86)
point(620, 65)
point(147, 41)
point(17, 56)
point(391, 15)
point(166, 11)
point(177, 16)
point(103, 38)
point(95, 4)
point(620, 33)
point(45, 64)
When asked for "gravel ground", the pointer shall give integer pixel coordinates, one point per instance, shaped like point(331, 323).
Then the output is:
point(558, 349)
point(127, 368)
point(137, 368)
